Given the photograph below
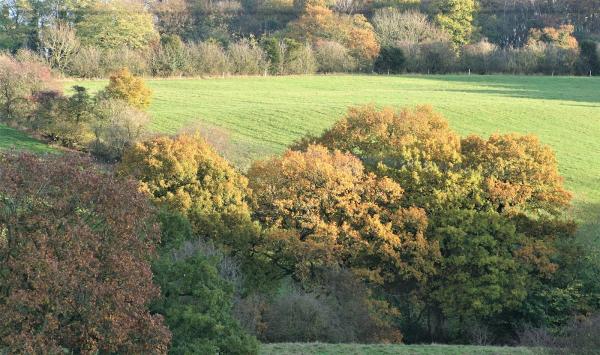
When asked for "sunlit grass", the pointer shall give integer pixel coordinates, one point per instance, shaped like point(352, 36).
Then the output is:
point(259, 116)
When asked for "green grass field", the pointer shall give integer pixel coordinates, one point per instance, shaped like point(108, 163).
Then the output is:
point(252, 117)
point(376, 349)
point(13, 139)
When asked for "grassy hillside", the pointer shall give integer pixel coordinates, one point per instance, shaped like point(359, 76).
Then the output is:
point(13, 139)
point(252, 117)
point(356, 349)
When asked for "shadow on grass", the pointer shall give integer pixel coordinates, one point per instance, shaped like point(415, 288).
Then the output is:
point(578, 89)
point(589, 222)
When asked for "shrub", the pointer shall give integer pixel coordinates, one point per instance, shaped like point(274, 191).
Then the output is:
point(333, 57)
point(438, 57)
point(394, 27)
point(247, 58)
point(117, 127)
point(590, 57)
point(169, 58)
point(429, 57)
point(87, 63)
point(124, 86)
point(82, 240)
point(66, 120)
point(390, 60)
point(115, 59)
point(19, 80)
point(299, 58)
point(197, 298)
point(340, 310)
point(208, 58)
point(480, 57)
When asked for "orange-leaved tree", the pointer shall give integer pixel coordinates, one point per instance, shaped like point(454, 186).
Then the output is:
point(353, 32)
point(75, 245)
point(327, 211)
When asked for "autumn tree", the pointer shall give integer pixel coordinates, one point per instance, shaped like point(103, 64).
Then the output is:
point(326, 211)
point(520, 173)
point(561, 37)
point(354, 32)
point(185, 174)
point(415, 147)
point(507, 187)
point(74, 249)
point(125, 86)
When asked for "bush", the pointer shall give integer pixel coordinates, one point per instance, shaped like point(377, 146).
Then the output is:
point(332, 57)
point(438, 57)
point(299, 58)
point(390, 60)
point(580, 336)
point(429, 57)
point(341, 310)
point(480, 58)
point(82, 240)
point(590, 57)
point(208, 58)
point(115, 59)
point(169, 58)
point(87, 63)
point(247, 58)
point(118, 126)
point(196, 283)
point(124, 86)
point(288, 56)
point(19, 81)
point(65, 120)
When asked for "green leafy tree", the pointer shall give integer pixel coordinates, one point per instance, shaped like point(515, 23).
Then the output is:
point(480, 275)
point(117, 24)
point(455, 17)
point(197, 300)
point(390, 61)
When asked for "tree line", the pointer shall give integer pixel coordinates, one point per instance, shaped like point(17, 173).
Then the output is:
point(215, 38)
point(387, 227)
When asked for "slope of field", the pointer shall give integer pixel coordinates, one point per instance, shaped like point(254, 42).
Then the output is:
point(249, 118)
point(13, 139)
point(357, 349)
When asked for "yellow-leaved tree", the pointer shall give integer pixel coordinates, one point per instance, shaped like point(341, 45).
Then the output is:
point(327, 211)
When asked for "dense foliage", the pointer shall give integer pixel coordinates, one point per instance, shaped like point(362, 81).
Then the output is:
point(180, 37)
point(508, 189)
point(75, 245)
